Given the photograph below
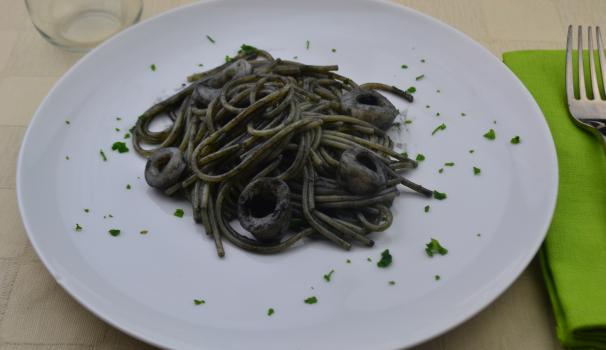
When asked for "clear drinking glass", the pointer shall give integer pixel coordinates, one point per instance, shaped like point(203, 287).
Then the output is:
point(80, 25)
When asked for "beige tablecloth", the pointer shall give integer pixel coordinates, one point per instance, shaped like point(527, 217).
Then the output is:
point(35, 313)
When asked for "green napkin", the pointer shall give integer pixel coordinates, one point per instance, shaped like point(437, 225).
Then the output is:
point(573, 255)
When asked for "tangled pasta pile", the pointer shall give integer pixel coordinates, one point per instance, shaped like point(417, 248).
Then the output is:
point(281, 146)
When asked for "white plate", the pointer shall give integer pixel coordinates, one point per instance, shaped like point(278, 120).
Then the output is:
point(145, 284)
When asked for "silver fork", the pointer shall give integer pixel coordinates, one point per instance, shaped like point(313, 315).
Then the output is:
point(588, 114)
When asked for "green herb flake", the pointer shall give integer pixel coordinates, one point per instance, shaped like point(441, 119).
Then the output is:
point(128, 187)
point(346, 81)
point(211, 39)
point(86, 210)
point(247, 48)
point(427, 208)
point(463, 114)
point(103, 155)
point(437, 277)
point(127, 136)
point(441, 170)
point(479, 235)
point(66, 122)
point(111, 216)
point(471, 151)
point(438, 91)
point(120, 147)
point(427, 106)
point(392, 125)
point(199, 302)
point(385, 259)
point(420, 77)
point(441, 127)
point(142, 117)
point(368, 259)
point(348, 261)
point(295, 57)
point(143, 232)
point(423, 61)
point(405, 154)
point(437, 114)
point(495, 121)
point(333, 50)
point(114, 232)
point(404, 66)
point(387, 203)
point(270, 312)
point(308, 44)
point(411, 90)
point(153, 67)
point(104, 217)
point(434, 245)
point(179, 213)
point(420, 157)
point(515, 140)
point(118, 130)
point(200, 65)
point(311, 300)
point(449, 164)
point(490, 135)
point(438, 195)
point(398, 111)
point(408, 122)
point(227, 59)
point(327, 277)
point(384, 219)
point(78, 227)
point(66, 157)
point(294, 224)
point(392, 282)
point(132, 130)
point(118, 118)
point(476, 171)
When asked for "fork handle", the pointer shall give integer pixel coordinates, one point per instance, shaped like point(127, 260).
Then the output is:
point(598, 127)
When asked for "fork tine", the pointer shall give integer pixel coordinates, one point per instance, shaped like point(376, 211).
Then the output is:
point(569, 75)
point(582, 93)
point(594, 80)
point(601, 55)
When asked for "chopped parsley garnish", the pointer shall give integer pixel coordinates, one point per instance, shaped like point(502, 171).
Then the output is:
point(441, 170)
point(102, 155)
point(333, 50)
point(120, 147)
point(114, 232)
point(438, 195)
point(227, 59)
point(295, 57)
point(423, 61)
point(132, 130)
point(211, 39)
point(384, 218)
point(495, 121)
point(515, 140)
point(398, 111)
point(387, 204)
point(327, 277)
point(404, 66)
point(294, 224)
point(420, 157)
point(420, 77)
point(86, 210)
point(153, 67)
point(368, 259)
point(311, 300)
point(111, 216)
point(441, 127)
point(67, 122)
point(179, 213)
point(427, 208)
point(270, 312)
point(449, 164)
point(411, 90)
point(126, 136)
point(427, 106)
point(308, 44)
point(143, 232)
point(385, 259)
point(200, 65)
point(490, 135)
point(463, 114)
point(142, 117)
point(476, 171)
point(471, 151)
point(78, 227)
point(437, 277)
point(438, 91)
point(392, 282)
point(104, 217)
point(479, 235)
point(437, 114)
point(408, 121)
point(405, 154)
point(434, 245)
point(66, 157)
point(348, 261)
point(198, 302)
point(392, 125)
point(346, 81)
point(118, 130)
point(128, 187)
point(247, 48)
point(118, 118)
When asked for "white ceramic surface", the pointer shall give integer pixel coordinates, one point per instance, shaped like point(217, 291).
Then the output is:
point(145, 284)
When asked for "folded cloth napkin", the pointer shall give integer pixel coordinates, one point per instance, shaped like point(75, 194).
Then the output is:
point(573, 255)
